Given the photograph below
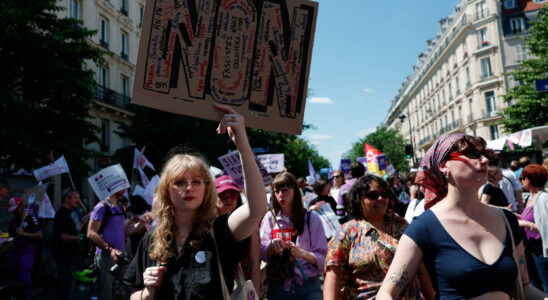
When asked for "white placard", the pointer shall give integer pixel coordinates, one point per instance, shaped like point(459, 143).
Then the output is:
point(329, 220)
point(108, 181)
point(274, 163)
point(233, 166)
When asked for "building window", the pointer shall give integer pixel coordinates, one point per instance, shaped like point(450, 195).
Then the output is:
point(457, 85)
point(103, 77)
point(467, 76)
point(123, 7)
point(508, 4)
point(75, 10)
point(481, 10)
point(521, 53)
point(539, 1)
point(450, 92)
point(517, 25)
point(485, 68)
point(105, 135)
point(494, 132)
point(465, 49)
point(124, 45)
point(491, 104)
point(124, 85)
point(103, 33)
point(482, 36)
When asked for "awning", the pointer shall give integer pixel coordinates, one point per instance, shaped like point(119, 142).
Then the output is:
point(524, 138)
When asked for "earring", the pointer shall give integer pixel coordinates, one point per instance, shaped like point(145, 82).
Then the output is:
point(446, 175)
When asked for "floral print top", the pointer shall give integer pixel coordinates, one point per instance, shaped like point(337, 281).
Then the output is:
point(361, 257)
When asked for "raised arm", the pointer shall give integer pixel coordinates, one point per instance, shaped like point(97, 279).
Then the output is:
point(404, 266)
point(244, 221)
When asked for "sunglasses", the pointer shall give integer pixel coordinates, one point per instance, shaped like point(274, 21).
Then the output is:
point(337, 176)
point(375, 194)
point(471, 153)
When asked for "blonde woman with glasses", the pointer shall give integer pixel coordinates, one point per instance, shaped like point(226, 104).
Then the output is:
point(177, 259)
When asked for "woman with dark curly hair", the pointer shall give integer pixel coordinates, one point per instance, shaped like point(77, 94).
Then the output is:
point(467, 246)
point(322, 189)
point(361, 251)
point(297, 234)
point(178, 259)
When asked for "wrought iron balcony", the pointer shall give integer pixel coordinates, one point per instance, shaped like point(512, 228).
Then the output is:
point(103, 43)
point(111, 97)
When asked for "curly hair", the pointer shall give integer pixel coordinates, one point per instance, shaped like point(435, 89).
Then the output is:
point(163, 237)
point(287, 180)
point(358, 190)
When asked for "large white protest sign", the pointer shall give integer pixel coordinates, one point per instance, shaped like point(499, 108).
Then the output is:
point(233, 166)
point(108, 181)
point(329, 219)
point(274, 163)
point(252, 55)
point(57, 167)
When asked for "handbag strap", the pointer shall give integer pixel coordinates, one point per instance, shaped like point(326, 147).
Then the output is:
point(226, 294)
point(519, 283)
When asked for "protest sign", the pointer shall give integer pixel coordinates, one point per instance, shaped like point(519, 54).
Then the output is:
point(57, 167)
point(45, 210)
point(233, 166)
point(34, 194)
point(108, 181)
point(381, 162)
point(274, 163)
point(324, 171)
point(252, 55)
point(329, 220)
point(345, 165)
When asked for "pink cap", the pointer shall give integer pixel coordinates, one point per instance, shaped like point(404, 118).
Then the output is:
point(224, 183)
point(14, 203)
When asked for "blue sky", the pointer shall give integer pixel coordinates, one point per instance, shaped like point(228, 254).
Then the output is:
point(363, 50)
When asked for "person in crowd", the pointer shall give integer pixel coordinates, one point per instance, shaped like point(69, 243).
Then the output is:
point(109, 240)
point(545, 166)
point(511, 187)
point(416, 205)
point(491, 193)
point(322, 188)
point(356, 171)
point(523, 162)
point(400, 197)
point(65, 243)
point(361, 251)
point(514, 166)
point(26, 231)
point(179, 258)
point(140, 211)
point(4, 188)
point(466, 246)
point(230, 199)
point(292, 232)
point(338, 181)
point(534, 178)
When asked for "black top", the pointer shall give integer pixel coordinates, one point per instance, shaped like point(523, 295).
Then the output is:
point(327, 199)
point(63, 223)
point(193, 273)
point(454, 272)
point(497, 195)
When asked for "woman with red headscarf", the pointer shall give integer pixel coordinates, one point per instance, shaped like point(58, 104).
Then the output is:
point(469, 248)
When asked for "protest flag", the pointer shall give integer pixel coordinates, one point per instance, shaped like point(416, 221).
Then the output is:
point(330, 173)
point(312, 172)
point(139, 160)
point(371, 153)
point(57, 167)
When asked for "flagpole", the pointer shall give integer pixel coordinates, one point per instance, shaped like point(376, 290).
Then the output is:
point(72, 182)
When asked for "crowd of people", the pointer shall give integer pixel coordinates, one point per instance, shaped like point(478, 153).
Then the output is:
point(464, 225)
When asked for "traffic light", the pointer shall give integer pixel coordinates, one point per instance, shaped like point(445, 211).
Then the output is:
point(408, 151)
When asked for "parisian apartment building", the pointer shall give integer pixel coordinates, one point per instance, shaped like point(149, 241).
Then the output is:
point(458, 81)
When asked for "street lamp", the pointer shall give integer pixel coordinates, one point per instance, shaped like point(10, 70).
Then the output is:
point(402, 117)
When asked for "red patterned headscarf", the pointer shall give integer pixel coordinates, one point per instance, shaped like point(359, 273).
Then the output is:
point(429, 175)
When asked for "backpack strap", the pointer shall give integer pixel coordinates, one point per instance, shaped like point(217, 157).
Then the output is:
point(106, 217)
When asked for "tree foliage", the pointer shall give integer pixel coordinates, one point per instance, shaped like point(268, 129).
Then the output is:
point(161, 131)
point(45, 90)
point(389, 142)
point(531, 107)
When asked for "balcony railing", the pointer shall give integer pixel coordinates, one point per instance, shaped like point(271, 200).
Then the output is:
point(103, 43)
point(111, 97)
point(124, 56)
point(123, 11)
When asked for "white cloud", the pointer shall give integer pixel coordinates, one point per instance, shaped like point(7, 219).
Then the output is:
point(319, 137)
point(368, 90)
point(321, 100)
point(364, 133)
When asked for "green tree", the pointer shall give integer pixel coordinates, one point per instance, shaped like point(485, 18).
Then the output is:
point(161, 131)
point(389, 142)
point(531, 107)
point(45, 89)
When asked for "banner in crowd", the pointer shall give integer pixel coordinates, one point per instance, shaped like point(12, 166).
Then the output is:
point(34, 194)
point(371, 153)
point(329, 220)
point(274, 163)
point(233, 166)
point(139, 160)
point(45, 209)
point(108, 181)
point(151, 189)
point(345, 165)
point(312, 177)
point(57, 167)
point(252, 55)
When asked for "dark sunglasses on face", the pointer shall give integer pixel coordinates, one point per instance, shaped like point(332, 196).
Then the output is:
point(375, 194)
point(337, 176)
point(470, 152)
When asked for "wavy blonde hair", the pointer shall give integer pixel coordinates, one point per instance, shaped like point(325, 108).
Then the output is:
point(163, 238)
